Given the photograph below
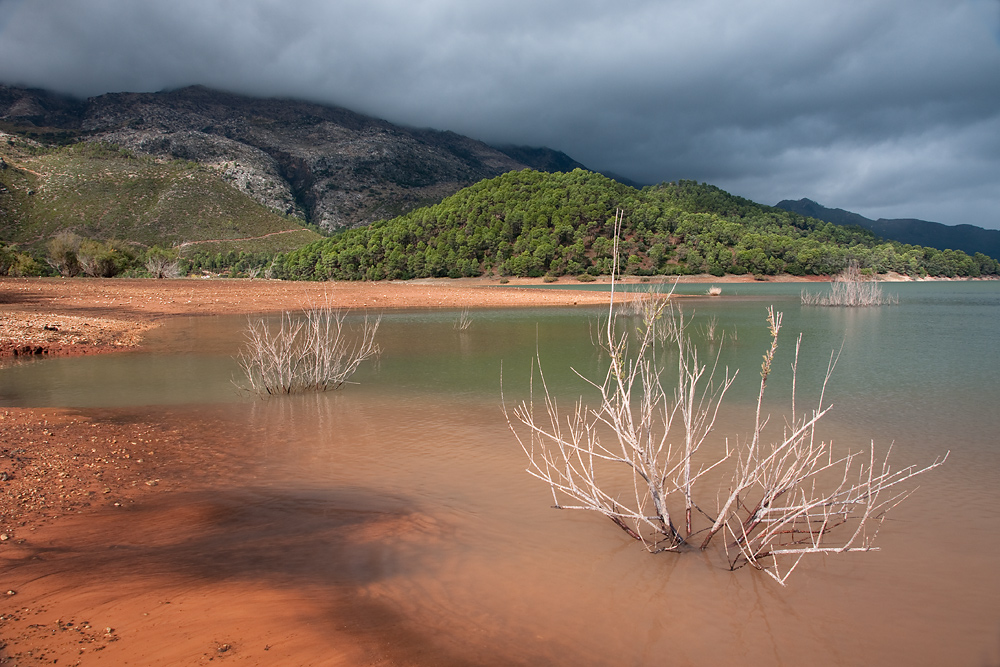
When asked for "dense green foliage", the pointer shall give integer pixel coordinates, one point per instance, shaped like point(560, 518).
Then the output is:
point(19, 264)
point(96, 197)
point(532, 224)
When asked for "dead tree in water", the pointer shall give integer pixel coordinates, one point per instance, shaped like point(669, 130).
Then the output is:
point(464, 320)
point(314, 353)
point(635, 457)
point(851, 288)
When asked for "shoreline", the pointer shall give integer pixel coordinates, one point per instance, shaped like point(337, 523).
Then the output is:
point(91, 503)
point(78, 316)
point(75, 316)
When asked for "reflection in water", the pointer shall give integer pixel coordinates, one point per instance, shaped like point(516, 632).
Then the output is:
point(408, 491)
point(518, 580)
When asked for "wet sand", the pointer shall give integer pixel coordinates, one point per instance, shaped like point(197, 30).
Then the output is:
point(145, 537)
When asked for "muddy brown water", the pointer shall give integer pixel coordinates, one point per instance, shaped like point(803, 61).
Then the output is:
point(397, 511)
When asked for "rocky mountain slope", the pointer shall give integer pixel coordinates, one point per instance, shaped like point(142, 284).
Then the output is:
point(325, 165)
point(967, 238)
point(101, 193)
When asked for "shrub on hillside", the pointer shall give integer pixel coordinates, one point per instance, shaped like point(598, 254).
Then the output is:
point(62, 253)
point(104, 259)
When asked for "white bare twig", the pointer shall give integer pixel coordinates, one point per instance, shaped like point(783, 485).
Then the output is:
point(635, 455)
point(851, 288)
point(710, 329)
point(312, 353)
point(464, 321)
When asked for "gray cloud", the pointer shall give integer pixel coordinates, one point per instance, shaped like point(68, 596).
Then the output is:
point(888, 108)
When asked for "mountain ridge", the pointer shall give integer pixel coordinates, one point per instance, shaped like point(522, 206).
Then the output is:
point(967, 238)
point(324, 164)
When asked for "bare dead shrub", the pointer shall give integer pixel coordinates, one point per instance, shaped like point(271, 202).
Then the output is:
point(636, 458)
point(646, 303)
point(710, 330)
point(163, 266)
point(316, 352)
point(850, 287)
point(464, 320)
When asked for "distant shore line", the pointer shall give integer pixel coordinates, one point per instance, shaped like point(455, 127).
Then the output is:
point(74, 316)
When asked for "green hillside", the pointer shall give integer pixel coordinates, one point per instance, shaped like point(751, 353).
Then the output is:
point(99, 192)
point(532, 224)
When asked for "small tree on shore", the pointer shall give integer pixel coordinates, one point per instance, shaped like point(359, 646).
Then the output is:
point(162, 263)
point(103, 259)
point(62, 249)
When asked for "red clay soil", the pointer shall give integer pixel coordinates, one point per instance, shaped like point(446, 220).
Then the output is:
point(88, 505)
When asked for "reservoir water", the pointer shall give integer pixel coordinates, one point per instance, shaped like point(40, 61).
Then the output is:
point(484, 572)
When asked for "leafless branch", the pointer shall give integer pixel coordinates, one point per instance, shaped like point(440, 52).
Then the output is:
point(851, 288)
point(311, 353)
point(635, 454)
point(464, 321)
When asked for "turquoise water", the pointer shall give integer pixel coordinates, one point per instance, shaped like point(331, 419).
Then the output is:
point(932, 355)
point(506, 577)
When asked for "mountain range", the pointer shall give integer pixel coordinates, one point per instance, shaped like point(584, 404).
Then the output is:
point(324, 165)
point(156, 163)
point(967, 238)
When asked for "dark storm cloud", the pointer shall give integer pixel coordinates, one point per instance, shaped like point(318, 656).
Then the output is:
point(888, 108)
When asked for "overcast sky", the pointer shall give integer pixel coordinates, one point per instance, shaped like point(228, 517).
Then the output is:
point(889, 108)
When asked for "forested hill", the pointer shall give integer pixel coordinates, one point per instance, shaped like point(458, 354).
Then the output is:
point(527, 223)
